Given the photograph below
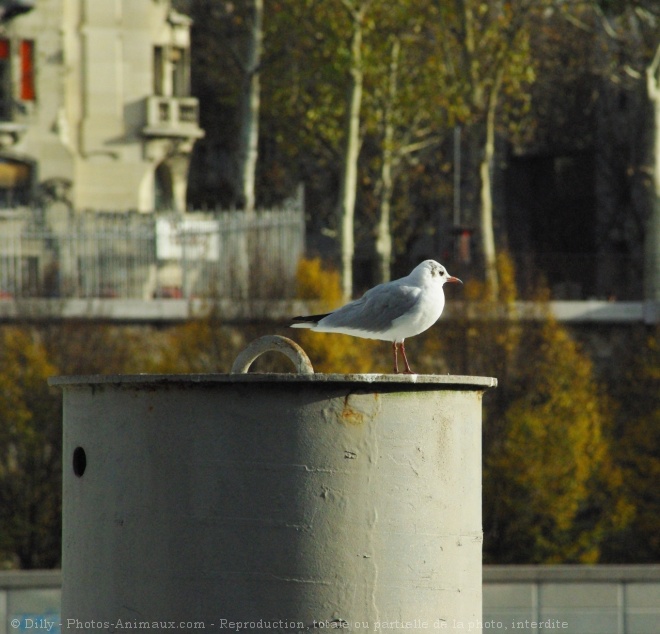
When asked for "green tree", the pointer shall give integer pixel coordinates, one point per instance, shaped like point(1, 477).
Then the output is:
point(636, 436)
point(97, 348)
point(407, 98)
point(484, 47)
point(199, 345)
point(30, 454)
point(552, 489)
point(542, 473)
point(228, 59)
point(342, 61)
point(629, 34)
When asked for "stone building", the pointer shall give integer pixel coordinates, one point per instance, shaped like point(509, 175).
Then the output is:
point(95, 105)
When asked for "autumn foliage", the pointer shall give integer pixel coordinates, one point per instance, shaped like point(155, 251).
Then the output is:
point(30, 454)
point(570, 455)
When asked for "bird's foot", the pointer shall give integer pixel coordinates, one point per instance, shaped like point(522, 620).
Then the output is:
point(406, 371)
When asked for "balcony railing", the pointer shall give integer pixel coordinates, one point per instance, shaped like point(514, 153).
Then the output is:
point(172, 117)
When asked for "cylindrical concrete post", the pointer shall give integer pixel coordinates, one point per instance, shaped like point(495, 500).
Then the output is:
point(272, 502)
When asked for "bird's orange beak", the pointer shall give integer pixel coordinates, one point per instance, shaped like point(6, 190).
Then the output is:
point(451, 278)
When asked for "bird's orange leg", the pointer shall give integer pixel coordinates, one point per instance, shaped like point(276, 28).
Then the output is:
point(396, 361)
point(403, 352)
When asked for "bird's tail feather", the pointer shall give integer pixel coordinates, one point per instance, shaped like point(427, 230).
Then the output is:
point(307, 322)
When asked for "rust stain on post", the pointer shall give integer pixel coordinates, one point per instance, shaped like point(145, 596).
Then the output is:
point(360, 408)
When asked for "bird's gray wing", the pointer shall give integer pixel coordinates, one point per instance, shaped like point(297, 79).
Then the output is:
point(376, 309)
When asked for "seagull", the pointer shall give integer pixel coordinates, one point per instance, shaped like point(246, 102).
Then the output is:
point(391, 311)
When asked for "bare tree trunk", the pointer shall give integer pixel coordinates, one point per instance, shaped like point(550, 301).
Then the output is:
point(250, 100)
point(652, 247)
point(348, 187)
point(486, 103)
point(383, 230)
point(486, 194)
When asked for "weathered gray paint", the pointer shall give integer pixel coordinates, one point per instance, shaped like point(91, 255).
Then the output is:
point(299, 498)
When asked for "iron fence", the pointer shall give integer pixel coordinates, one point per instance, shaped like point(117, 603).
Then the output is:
point(228, 254)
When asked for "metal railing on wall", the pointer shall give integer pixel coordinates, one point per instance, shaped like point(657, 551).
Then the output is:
point(228, 254)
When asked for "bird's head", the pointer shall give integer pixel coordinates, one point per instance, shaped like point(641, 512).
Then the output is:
point(435, 272)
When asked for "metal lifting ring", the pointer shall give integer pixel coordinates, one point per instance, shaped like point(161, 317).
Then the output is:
point(273, 343)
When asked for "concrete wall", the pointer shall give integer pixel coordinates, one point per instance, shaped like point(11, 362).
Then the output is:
point(573, 599)
point(237, 311)
point(588, 599)
point(28, 598)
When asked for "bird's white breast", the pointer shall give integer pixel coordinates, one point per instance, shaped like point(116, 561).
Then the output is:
point(424, 314)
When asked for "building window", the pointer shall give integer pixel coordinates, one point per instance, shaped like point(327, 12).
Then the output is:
point(27, 91)
point(171, 71)
point(163, 190)
point(17, 76)
point(5, 79)
point(180, 71)
point(15, 182)
point(159, 71)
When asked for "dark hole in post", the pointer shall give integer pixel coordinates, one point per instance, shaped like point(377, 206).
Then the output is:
point(79, 461)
